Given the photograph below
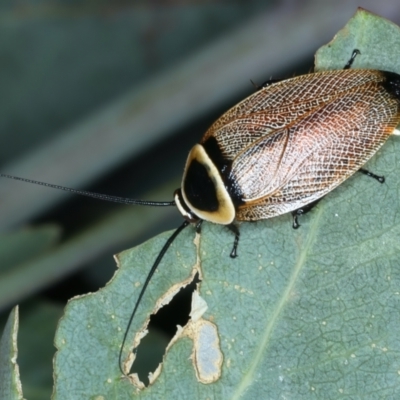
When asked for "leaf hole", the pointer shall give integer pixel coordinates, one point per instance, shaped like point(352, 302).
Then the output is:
point(162, 327)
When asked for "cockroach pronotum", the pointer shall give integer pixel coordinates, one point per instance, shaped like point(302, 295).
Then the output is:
point(280, 150)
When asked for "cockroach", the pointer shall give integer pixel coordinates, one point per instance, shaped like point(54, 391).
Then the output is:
point(279, 150)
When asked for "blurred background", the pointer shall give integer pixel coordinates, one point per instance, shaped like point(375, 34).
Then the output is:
point(110, 96)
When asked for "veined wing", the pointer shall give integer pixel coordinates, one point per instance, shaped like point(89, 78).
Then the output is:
point(278, 105)
point(315, 153)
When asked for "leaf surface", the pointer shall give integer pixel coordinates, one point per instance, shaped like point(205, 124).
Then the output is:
point(10, 387)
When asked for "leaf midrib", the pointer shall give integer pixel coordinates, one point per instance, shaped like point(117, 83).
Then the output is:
point(259, 352)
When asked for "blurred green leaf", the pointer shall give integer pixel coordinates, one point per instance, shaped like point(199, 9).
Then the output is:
point(308, 313)
point(39, 320)
point(18, 251)
point(10, 387)
point(24, 245)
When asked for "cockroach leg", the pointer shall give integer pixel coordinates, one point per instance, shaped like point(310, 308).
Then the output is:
point(198, 226)
point(265, 84)
point(301, 211)
point(305, 209)
point(269, 82)
point(233, 228)
point(349, 63)
point(295, 216)
point(379, 178)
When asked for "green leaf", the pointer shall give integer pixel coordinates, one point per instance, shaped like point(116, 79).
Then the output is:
point(377, 39)
point(89, 335)
point(34, 241)
point(38, 323)
point(18, 250)
point(10, 387)
point(308, 314)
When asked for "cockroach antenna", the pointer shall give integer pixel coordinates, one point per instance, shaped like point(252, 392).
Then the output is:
point(146, 283)
point(106, 197)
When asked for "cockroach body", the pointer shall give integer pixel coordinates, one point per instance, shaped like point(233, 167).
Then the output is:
point(288, 145)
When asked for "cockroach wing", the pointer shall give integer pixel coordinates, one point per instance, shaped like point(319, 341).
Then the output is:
point(270, 162)
point(295, 165)
point(278, 105)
